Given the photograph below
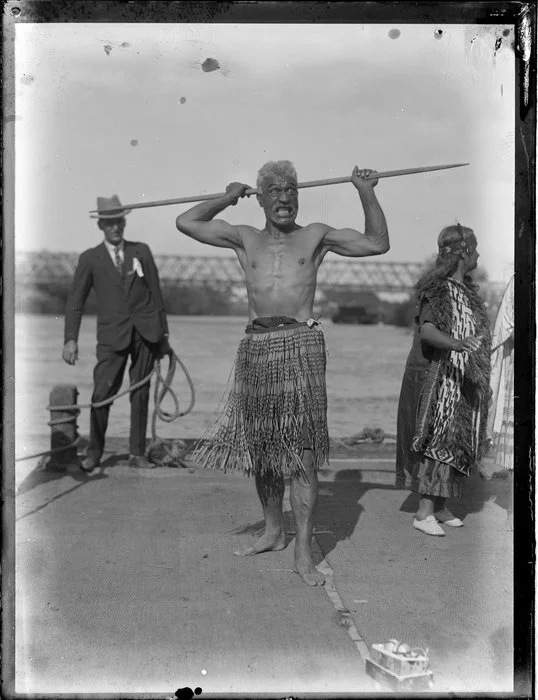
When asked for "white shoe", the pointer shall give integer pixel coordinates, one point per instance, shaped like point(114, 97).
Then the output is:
point(453, 522)
point(429, 526)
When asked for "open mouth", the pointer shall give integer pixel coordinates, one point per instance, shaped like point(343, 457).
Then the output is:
point(284, 211)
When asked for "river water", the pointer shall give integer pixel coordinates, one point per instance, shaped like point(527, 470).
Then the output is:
point(365, 367)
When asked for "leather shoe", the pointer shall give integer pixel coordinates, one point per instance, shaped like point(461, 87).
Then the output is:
point(453, 522)
point(140, 462)
point(89, 464)
point(429, 526)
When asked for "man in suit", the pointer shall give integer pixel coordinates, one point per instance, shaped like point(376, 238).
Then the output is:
point(131, 321)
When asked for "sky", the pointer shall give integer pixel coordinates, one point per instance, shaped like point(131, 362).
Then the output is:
point(128, 109)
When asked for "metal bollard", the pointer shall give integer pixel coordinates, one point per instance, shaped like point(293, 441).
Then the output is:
point(64, 429)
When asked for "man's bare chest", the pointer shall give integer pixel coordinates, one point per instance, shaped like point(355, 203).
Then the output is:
point(279, 256)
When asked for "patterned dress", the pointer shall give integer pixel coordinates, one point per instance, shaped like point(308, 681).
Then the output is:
point(442, 400)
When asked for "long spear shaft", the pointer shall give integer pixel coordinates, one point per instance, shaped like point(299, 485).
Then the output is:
point(300, 185)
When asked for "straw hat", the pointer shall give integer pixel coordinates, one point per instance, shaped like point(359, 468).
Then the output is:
point(109, 208)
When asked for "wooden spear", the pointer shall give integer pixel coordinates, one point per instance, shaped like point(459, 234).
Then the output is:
point(311, 183)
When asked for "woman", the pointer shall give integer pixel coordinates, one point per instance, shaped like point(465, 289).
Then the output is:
point(442, 411)
point(501, 417)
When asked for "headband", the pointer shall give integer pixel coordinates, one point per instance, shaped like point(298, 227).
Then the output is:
point(461, 246)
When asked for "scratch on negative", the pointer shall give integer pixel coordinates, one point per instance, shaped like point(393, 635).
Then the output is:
point(525, 46)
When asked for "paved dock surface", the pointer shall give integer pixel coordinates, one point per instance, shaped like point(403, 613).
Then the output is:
point(126, 583)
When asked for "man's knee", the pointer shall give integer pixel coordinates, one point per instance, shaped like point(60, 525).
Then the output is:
point(102, 390)
point(107, 373)
point(308, 458)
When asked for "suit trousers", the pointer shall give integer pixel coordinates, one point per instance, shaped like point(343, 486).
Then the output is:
point(108, 377)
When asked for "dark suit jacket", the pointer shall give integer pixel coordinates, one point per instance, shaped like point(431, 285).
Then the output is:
point(121, 303)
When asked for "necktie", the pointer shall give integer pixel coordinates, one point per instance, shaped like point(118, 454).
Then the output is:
point(118, 261)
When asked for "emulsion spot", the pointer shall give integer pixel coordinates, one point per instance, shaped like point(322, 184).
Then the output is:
point(394, 33)
point(506, 32)
point(134, 142)
point(182, 100)
point(438, 34)
point(210, 64)
point(184, 694)
point(125, 44)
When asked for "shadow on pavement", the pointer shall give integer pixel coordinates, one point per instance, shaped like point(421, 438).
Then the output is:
point(337, 513)
point(339, 509)
point(43, 475)
point(46, 473)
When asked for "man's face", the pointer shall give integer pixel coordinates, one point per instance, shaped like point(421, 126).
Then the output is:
point(279, 199)
point(113, 229)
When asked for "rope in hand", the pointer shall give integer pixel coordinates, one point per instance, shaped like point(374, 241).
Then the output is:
point(163, 386)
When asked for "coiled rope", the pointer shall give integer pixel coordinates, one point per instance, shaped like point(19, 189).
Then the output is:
point(375, 435)
point(163, 386)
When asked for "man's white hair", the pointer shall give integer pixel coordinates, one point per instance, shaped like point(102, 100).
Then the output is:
point(275, 168)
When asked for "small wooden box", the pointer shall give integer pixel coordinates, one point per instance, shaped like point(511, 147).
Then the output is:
point(399, 664)
point(415, 681)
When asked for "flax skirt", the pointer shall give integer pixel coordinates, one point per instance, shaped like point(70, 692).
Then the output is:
point(276, 407)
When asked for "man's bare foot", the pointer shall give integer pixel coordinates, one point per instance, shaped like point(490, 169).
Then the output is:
point(308, 572)
point(268, 542)
point(508, 524)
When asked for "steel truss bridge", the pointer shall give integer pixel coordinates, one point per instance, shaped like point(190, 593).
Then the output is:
point(45, 268)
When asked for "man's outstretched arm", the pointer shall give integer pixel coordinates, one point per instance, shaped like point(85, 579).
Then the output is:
point(199, 222)
point(375, 239)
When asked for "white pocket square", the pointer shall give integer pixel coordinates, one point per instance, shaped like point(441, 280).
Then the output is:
point(137, 267)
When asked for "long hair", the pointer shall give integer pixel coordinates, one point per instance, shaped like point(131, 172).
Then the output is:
point(284, 168)
point(446, 263)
